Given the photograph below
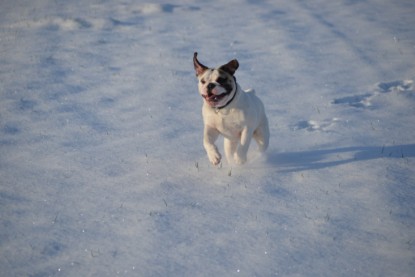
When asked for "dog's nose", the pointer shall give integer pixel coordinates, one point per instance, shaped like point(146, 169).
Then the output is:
point(211, 86)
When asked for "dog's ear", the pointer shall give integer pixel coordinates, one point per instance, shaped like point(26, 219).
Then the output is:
point(200, 68)
point(230, 67)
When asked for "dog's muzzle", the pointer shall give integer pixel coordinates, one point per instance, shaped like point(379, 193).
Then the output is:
point(211, 97)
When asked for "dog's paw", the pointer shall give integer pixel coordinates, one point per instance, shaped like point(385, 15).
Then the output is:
point(214, 157)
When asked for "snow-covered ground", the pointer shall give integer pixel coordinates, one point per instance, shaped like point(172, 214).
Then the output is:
point(102, 168)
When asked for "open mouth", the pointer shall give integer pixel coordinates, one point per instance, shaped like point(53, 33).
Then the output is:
point(214, 98)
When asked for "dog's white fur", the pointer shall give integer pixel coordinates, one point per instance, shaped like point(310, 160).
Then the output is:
point(228, 110)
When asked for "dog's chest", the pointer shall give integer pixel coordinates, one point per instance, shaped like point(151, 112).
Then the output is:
point(229, 123)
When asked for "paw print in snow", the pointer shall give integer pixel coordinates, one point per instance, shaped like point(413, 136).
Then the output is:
point(313, 125)
point(395, 86)
point(357, 101)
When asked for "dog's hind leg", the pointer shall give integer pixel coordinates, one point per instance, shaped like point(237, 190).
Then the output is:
point(261, 135)
point(230, 149)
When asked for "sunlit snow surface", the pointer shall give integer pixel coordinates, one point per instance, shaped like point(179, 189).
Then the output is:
point(102, 168)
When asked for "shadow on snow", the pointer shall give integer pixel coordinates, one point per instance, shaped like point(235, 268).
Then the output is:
point(318, 159)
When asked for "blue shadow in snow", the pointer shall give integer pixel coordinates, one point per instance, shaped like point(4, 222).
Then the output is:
point(317, 159)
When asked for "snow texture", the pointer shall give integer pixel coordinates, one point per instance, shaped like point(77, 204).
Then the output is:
point(102, 168)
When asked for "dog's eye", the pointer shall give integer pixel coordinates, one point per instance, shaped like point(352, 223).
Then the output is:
point(203, 81)
point(221, 80)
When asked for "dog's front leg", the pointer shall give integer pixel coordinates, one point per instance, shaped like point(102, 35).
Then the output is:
point(242, 150)
point(209, 138)
point(230, 148)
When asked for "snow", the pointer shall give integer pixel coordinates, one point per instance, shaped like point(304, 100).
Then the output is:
point(102, 168)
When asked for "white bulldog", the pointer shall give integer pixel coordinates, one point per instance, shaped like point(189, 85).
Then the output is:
point(228, 110)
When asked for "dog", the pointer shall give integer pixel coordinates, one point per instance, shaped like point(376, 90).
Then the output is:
point(229, 111)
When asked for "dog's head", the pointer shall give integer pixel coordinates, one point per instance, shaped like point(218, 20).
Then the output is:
point(216, 85)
